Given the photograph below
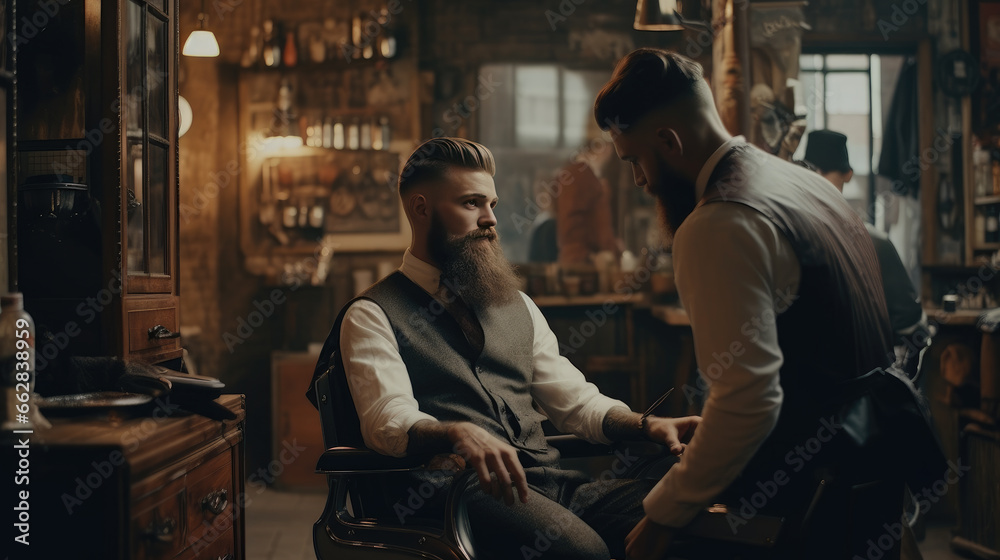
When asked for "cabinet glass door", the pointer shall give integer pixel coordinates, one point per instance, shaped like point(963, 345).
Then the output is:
point(149, 177)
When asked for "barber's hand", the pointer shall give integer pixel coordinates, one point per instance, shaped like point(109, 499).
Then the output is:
point(672, 432)
point(648, 541)
point(495, 461)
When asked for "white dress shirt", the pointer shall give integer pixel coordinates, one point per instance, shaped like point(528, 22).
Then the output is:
point(382, 393)
point(735, 272)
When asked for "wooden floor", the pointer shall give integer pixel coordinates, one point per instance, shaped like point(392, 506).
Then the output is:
point(279, 525)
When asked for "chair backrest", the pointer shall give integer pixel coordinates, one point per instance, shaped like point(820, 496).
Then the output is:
point(338, 417)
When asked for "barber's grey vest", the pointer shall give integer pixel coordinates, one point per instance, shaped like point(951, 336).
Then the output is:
point(837, 327)
point(452, 381)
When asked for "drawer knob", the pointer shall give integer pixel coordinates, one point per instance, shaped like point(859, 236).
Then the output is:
point(216, 502)
point(160, 332)
point(160, 531)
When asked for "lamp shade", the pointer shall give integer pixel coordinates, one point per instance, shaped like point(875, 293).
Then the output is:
point(657, 15)
point(201, 43)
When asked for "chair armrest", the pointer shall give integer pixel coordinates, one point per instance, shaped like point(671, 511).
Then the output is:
point(352, 460)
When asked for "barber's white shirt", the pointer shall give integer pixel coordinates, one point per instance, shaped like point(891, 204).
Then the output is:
point(382, 393)
point(735, 273)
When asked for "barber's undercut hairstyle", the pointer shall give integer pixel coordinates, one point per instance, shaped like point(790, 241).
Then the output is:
point(433, 158)
point(644, 80)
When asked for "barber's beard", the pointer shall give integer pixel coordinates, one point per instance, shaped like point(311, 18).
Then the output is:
point(474, 265)
point(675, 199)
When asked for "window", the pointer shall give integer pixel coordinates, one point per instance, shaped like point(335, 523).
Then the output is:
point(535, 121)
point(551, 105)
point(843, 92)
point(852, 94)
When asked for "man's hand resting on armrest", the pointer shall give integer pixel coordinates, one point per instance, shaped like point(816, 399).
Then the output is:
point(623, 424)
point(495, 461)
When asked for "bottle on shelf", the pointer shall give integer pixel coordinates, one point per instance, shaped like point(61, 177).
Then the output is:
point(366, 135)
point(377, 143)
point(357, 39)
point(386, 132)
point(286, 115)
point(303, 213)
point(993, 223)
point(387, 40)
point(328, 132)
point(981, 172)
point(272, 49)
point(316, 214)
point(353, 135)
point(289, 215)
point(339, 141)
point(251, 56)
point(290, 54)
point(317, 47)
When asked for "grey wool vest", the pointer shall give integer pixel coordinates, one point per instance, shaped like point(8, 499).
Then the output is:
point(452, 381)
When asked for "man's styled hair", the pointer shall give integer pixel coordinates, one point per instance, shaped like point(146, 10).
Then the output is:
point(433, 158)
point(644, 80)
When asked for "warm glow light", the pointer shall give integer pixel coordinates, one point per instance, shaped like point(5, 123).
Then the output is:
point(185, 115)
point(201, 43)
point(657, 15)
point(281, 143)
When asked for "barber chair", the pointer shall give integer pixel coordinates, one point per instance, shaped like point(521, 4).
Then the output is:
point(357, 522)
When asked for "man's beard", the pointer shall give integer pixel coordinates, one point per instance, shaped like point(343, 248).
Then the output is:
point(474, 265)
point(674, 199)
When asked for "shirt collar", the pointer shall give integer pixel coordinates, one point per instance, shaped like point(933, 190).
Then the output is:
point(706, 170)
point(423, 274)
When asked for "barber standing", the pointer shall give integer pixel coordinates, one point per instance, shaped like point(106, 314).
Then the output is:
point(781, 283)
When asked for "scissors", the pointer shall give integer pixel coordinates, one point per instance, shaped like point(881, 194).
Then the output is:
point(658, 402)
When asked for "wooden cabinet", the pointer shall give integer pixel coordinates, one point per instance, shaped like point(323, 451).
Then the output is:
point(295, 422)
point(978, 531)
point(98, 115)
point(166, 485)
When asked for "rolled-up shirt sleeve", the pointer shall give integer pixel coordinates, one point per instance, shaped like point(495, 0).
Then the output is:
point(735, 273)
point(573, 404)
point(378, 379)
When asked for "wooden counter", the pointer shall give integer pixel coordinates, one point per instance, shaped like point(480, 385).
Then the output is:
point(677, 316)
point(959, 317)
point(671, 314)
point(168, 484)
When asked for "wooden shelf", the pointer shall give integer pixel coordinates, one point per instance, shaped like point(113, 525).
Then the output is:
point(965, 317)
point(986, 246)
point(983, 200)
point(590, 300)
point(337, 64)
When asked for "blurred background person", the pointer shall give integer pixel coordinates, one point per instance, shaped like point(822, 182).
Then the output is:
point(583, 205)
point(826, 152)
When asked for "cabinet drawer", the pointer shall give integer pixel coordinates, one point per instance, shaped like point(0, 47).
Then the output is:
point(210, 501)
point(141, 320)
point(222, 548)
point(158, 523)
